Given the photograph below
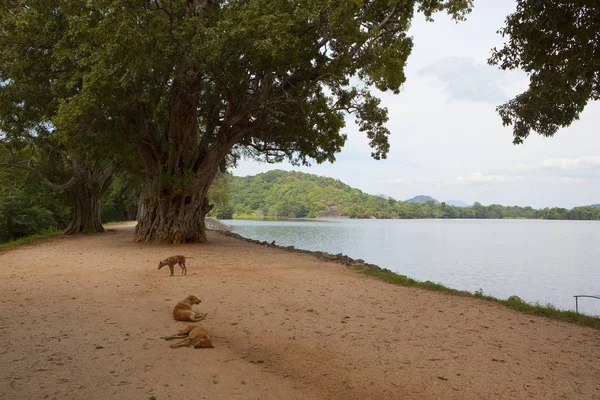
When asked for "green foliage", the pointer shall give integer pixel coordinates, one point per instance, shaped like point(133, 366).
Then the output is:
point(27, 206)
point(295, 195)
point(278, 70)
point(20, 217)
point(193, 83)
point(557, 43)
point(219, 197)
point(121, 201)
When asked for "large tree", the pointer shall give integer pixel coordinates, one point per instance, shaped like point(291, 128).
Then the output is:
point(82, 180)
point(557, 43)
point(195, 83)
point(35, 78)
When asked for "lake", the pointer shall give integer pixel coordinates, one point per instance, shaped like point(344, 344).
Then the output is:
point(539, 261)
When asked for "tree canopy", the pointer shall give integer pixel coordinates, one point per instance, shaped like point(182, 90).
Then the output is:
point(197, 83)
point(557, 43)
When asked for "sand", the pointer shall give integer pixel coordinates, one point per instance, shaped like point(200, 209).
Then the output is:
point(81, 318)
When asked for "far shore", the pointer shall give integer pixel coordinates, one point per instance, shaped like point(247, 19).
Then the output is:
point(284, 325)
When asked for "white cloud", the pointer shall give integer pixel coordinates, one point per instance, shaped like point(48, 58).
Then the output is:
point(479, 178)
point(571, 164)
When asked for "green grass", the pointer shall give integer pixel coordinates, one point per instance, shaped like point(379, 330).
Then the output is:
point(533, 309)
point(29, 239)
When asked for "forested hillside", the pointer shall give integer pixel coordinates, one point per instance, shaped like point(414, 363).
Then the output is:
point(28, 207)
point(295, 195)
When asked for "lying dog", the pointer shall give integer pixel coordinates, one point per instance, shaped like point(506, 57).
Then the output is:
point(183, 310)
point(192, 336)
point(171, 261)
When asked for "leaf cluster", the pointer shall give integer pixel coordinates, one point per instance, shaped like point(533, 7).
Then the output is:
point(558, 44)
point(270, 79)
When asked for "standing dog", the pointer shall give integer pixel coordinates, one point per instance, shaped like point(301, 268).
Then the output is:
point(192, 335)
point(171, 261)
point(183, 310)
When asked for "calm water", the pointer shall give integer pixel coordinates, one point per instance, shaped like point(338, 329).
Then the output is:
point(539, 261)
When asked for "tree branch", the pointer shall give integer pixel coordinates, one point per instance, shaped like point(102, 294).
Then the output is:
point(14, 162)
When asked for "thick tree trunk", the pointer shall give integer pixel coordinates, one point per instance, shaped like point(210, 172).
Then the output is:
point(179, 173)
point(86, 212)
point(86, 196)
point(176, 217)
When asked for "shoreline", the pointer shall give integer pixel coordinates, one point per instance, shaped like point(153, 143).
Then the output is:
point(284, 325)
point(360, 266)
point(343, 217)
point(387, 275)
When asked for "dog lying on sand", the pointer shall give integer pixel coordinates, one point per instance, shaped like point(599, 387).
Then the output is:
point(171, 261)
point(192, 335)
point(183, 310)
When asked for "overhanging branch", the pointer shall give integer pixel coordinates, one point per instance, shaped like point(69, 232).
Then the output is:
point(16, 163)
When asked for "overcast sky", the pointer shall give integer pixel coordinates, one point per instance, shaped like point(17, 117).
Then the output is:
point(447, 141)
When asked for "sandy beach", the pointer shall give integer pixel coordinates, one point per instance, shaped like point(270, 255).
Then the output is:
point(82, 318)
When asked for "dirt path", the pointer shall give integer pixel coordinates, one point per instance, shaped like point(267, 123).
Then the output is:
point(82, 317)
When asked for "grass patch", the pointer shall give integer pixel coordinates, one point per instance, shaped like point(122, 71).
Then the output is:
point(29, 239)
point(533, 309)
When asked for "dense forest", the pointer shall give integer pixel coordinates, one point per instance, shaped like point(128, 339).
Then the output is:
point(296, 195)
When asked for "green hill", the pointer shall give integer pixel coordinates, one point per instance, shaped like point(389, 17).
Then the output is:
point(281, 194)
point(295, 194)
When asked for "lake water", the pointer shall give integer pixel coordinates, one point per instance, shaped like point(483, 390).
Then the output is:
point(539, 261)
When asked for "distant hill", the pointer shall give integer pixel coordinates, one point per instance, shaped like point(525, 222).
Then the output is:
point(457, 203)
point(595, 205)
point(298, 195)
point(422, 199)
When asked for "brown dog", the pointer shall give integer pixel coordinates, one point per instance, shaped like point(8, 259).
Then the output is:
point(183, 310)
point(171, 261)
point(192, 336)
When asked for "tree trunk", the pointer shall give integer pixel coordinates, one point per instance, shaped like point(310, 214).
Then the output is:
point(86, 196)
point(173, 217)
point(86, 211)
point(179, 173)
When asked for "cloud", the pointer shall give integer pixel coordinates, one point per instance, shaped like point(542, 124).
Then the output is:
point(479, 178)
point(564, 169)
point(572, 164)
point(462, 79)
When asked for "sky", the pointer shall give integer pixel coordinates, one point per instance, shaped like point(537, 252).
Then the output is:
point(448, 142)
